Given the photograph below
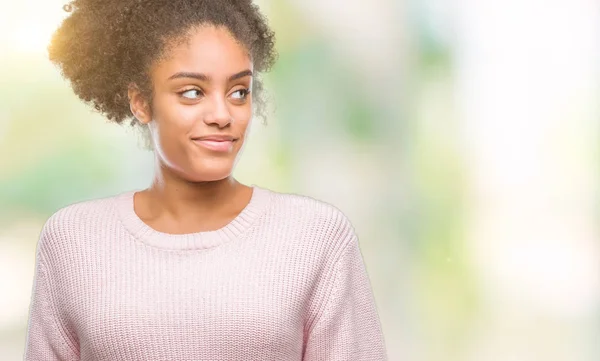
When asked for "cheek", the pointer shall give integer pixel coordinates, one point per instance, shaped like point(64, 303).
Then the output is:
point(172, 126)
point(242, 117)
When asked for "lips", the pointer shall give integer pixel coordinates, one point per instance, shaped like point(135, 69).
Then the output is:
point(215, 145)
point(216, 138)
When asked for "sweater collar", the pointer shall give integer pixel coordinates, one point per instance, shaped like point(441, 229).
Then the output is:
point(192, 241)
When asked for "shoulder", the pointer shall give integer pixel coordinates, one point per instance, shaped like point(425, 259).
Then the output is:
point(76, 213)
point(310, 214)
point(301, 204)
point(67, 224)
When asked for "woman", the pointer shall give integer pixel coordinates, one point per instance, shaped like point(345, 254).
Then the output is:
point(198, 266)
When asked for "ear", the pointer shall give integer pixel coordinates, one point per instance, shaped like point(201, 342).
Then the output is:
point(138, 104)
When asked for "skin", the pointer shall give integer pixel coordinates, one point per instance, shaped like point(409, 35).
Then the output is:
point(193, 189)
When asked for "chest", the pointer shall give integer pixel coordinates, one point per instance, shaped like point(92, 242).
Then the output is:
point(229, 307)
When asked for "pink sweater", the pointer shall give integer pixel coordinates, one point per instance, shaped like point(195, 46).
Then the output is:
point(285, 280)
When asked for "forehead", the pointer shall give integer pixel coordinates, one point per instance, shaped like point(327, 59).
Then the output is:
point(207, 49)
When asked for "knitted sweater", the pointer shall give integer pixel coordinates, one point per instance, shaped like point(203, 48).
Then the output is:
point(284, 280)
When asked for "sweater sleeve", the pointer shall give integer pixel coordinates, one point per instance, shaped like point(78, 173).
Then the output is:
point(46, 338)
point(347, 326)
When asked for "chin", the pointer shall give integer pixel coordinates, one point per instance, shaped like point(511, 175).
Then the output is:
point(209, 174)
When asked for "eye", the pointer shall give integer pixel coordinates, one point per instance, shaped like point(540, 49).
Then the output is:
point(242, 94)
point(191, 93)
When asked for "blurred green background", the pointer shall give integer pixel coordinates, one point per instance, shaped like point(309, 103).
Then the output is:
point(460, 138)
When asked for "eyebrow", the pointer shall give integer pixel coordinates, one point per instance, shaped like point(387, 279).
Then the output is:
point(204, 77)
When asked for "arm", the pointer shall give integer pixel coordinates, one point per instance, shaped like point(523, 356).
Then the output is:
point(346, 327)
point(47, 338)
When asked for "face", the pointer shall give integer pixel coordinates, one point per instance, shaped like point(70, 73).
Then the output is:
point(201, 91)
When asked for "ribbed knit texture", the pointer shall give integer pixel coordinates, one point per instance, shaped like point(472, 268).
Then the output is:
point(285, 280)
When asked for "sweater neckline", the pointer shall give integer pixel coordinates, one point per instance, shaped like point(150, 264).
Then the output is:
point(191, 241)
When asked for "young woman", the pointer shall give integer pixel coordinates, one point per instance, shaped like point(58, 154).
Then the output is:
point(198, 266)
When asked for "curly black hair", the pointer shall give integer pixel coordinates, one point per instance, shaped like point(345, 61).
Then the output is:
point(104, 45)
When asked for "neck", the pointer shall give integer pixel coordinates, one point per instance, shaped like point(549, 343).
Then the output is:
point(177, 200)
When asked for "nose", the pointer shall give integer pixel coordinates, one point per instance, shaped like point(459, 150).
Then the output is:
point(217, 112)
